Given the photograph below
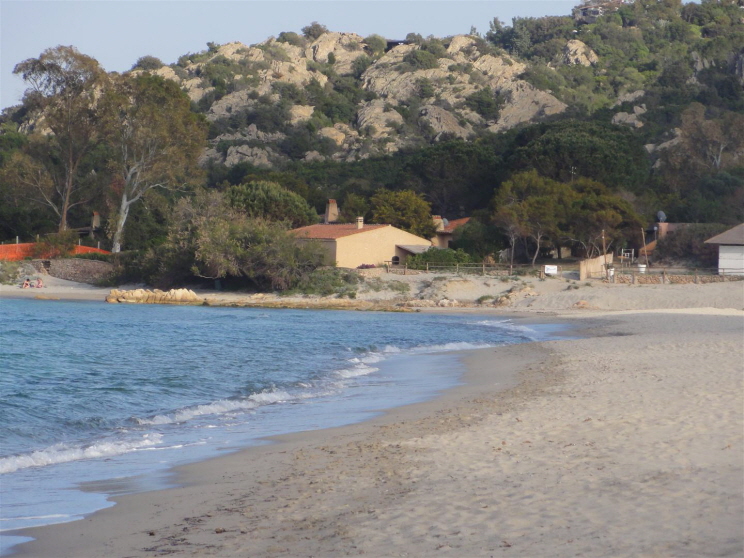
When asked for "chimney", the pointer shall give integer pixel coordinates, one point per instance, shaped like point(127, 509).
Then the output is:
point(360, 222)
point(438, 222)
point(331, 213)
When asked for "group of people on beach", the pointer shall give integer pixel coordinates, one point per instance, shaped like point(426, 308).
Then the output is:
point(27, 284)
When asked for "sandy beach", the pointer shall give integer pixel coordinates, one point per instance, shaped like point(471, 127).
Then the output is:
point(627, 441)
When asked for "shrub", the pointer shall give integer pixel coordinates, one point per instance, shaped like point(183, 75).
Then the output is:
point(327, 282)
point(420, 60)
point(292, 38)
point(9, 272)
point(314, 30)
point(485, 103)
point(56, 245)
point(148, 63)
point(376, 44)
point(688, 245)
point(438, 256)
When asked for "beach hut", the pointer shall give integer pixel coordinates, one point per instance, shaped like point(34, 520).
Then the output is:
point(730, 250)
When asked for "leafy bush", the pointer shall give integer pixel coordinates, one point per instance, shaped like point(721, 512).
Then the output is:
point(438, 256)
point(9, 272)
point(687, 245)
point(292, 38)
point(148, 63)
point(376, 44)
point(56, 245)
point(314, 30)
point(486, 103)
point(419, 60)
point(327, 282)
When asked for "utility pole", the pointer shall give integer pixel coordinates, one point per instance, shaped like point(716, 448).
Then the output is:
point(604, 252)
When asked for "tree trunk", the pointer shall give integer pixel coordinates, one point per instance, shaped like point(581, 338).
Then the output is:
point(121, 219)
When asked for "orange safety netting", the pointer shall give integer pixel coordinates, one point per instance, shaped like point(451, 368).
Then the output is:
point(18, 252)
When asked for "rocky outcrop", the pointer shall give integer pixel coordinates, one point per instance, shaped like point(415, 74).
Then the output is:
point(377, 119)
point(156, 296)
point(258, 156)
point(525, 103)
point(630, 118)
point(340, 48)
point(577, 53)
point(442, 122)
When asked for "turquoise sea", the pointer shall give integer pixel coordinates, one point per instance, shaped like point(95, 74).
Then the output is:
point(98, 400)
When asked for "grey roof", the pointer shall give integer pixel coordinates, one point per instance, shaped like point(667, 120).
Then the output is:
point(414, 248)
point(731, 237)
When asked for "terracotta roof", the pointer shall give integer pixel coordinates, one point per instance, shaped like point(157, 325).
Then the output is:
point(332, 232)
point(452, 225)
point(731, 237)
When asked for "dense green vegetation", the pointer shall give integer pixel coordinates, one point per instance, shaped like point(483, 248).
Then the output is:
point(128, 146)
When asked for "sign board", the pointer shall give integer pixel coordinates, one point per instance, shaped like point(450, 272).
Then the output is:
point(551, 270)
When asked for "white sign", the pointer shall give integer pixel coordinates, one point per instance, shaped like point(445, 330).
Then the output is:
point(551, 270)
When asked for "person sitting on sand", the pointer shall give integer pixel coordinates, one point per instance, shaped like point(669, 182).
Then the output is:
point(39, 283)
point(26, 284)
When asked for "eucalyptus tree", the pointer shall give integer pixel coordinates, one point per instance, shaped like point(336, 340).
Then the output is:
point(63, 91)
point(155, 141)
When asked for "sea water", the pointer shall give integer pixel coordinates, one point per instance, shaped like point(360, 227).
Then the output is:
point(98, 400)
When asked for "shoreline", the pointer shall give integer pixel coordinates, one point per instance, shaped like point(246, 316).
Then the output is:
point(563, 433)
point(336, 491)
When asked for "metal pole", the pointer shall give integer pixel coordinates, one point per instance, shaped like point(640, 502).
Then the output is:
point(604, 251)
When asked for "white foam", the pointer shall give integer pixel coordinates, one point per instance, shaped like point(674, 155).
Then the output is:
point(356, 371)
point(221, 407)
point(62, 453)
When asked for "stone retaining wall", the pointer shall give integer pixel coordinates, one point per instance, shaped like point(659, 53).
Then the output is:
point(74, 269)
point(657, 279)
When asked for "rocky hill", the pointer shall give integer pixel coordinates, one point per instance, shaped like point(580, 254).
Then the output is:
point(356, 101)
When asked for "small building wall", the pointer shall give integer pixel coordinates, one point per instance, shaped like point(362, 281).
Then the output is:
point(730, 260)
point(375, 247)
point(594, 267)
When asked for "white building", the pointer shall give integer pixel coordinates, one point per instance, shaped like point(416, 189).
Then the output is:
point(730, 251)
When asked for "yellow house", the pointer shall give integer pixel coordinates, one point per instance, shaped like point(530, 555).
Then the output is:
point(355, 244)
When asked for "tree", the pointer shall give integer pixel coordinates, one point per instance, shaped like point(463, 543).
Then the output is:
point(213, 240)
point(594, 212)
point(148, 63)
point(314, 30)
point(269, 201)
point(405, 209)
point(533, 206)
point(155, 139)
point(63, 89)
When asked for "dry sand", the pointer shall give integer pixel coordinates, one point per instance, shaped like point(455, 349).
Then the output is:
point(626, 442)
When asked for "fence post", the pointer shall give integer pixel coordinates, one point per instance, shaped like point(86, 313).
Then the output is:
point(663, 276)
point(457, 268)
point(17, 242)
point(427, 267)
point(405, 268)
point(484, 267)
point(696, 277)
point(632, 276)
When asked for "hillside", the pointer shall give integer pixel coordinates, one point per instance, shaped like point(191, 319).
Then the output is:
point(645, 98)
point(342, 97)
